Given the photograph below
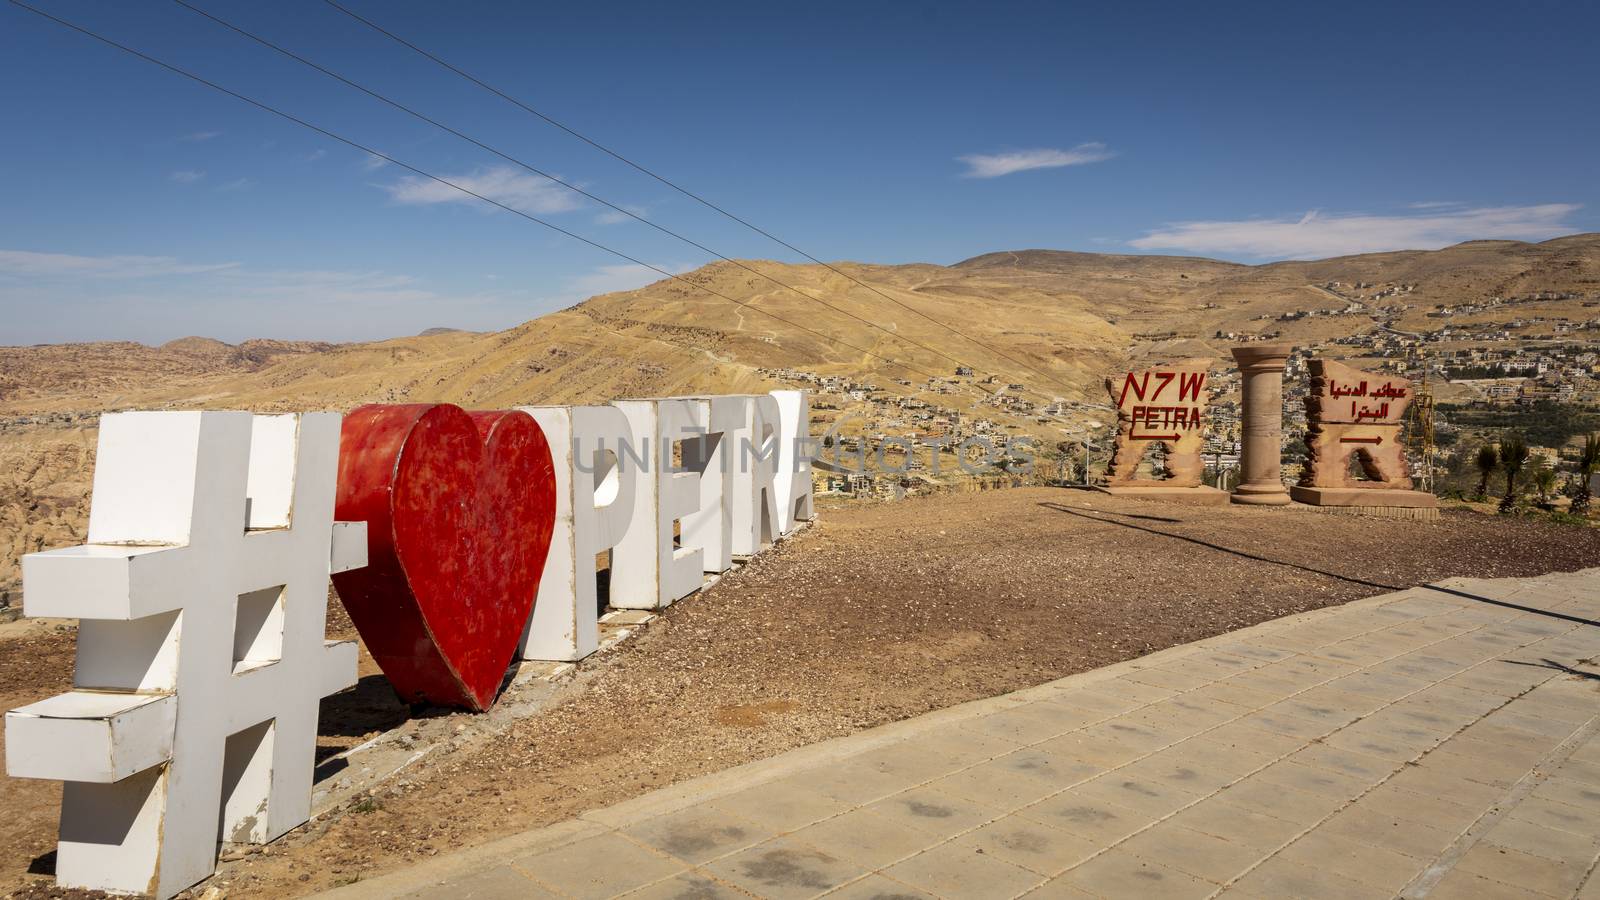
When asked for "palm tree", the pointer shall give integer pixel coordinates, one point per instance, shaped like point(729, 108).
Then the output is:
point(1488, 460)
point(1544, 481)
point(1513, 454)
point(1588, 461)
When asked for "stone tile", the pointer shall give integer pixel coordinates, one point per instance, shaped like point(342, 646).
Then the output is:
point(1423, 809)
point(1147, 795)
point(1175, 680)
point(1202, 855)
point(1274, 719)
point(1371, 769)
point(1511, 745)
point(1375, 867)
point(1195, 766)
point(1554, 814)
point(1379, 685)
point(599, 866)
point(1174, 723)
point(1511, 717)
point(1568, 791)
point(1250, 648)
point(856, 782)
point(1237, 824)
point(1474, 766)
point(1360, 651)
point(1377, 740)
point(1053, 768)
point(1388, 832)
point(1550, 843)
point(877, 887)
point(1422, 665)
point(1026, 842)
point(1314, 780)
point(1106, 697)
point(1279, 877)
point(956, 872)
point(497, 883)
point(1462, 885)
point(1522, 870)
point(1278, 801)
point(864, 837)
point(934, 812)
point(1226, 691)
point(1300, 707)
point(952, 747)
point(1242, 735)
point(1333, 697)
point(784, 868)
point(688, 886)
point(1090, 817)
point(1117, 873)
point(1132, 731)
point(697, 834)
point(1032, 722)
point(997, 785)
point(1420, 780)
point(781, 805)
point(1059, 889)
point(1500, 679)
point(1135, 692)
point(1095, 746)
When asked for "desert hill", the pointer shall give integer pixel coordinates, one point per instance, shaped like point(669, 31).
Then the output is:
point(1073, 317)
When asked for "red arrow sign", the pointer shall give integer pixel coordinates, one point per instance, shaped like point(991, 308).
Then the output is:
point(1370, 440)
point(1154, 437)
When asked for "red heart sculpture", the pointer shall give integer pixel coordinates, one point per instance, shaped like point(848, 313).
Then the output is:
point(459, 509)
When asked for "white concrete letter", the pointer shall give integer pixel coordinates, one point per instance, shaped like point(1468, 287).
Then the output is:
point(201, 660)
point(647, 570)
point(594, 505)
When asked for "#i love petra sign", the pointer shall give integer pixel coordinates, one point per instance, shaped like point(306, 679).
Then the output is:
point(458, 541)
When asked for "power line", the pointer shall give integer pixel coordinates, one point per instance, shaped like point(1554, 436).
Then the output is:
point(682, 190)
point(389, 159)
point(543, 174)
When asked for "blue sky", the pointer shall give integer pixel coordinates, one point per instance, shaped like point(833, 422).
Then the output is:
point(141, 206)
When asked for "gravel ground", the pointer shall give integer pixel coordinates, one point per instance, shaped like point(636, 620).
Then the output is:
point(877, 614)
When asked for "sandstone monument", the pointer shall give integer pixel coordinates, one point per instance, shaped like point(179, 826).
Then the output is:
point(1164, 407)
point(1353, 420)
point(1261, 405)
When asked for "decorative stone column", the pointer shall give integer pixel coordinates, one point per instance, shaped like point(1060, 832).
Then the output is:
point(1261, 406)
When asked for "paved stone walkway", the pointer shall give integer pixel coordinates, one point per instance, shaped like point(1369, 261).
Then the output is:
point(1438, 742)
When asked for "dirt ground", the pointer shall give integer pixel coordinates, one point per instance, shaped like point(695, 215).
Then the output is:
point(876, 614)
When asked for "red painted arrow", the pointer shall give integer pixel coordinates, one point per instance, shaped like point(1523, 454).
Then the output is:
point(1370, 440)
point(1154, 437)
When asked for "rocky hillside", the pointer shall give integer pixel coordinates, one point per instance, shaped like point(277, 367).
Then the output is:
point(1071, 316)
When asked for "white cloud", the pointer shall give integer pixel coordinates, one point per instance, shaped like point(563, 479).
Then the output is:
point(503, 184)
point(186, 176)
point(314, 155)
point(1315, 236)
point(238, 184)
point(198, 136)
point(612, 217)
point(373, 162)
point(1434, 204)
point(25, 263)
point(994, 165)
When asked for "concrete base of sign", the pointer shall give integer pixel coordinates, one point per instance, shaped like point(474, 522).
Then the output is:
point(1193, 496)
point(1255, 495)
point(1364, 497)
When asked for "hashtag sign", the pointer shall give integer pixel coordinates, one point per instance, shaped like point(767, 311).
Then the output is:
point(202, 596)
